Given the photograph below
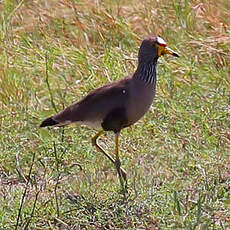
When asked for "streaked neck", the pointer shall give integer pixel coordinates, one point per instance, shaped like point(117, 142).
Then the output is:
point(147, 72)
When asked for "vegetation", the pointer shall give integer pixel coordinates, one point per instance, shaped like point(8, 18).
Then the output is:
point(178, 156)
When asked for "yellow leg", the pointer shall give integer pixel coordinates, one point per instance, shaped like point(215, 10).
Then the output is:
point(100, 149)
point(123, 180)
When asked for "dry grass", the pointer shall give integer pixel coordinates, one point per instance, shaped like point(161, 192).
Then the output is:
point(177, 155)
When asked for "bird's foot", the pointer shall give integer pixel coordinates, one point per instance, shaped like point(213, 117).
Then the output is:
point(122, 177)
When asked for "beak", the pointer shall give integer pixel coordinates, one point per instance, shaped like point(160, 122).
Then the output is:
point(167, 50)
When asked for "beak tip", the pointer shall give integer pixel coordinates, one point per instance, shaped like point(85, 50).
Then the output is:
point(167, 50)
point(176, 54)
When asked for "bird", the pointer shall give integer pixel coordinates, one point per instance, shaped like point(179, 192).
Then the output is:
point(119, 104)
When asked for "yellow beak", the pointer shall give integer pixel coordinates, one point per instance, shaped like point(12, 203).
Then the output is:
point(165, 50)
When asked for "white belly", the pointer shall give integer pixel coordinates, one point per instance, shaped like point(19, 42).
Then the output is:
point(92, 124)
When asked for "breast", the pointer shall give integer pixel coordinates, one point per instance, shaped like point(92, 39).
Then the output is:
point(141, 98)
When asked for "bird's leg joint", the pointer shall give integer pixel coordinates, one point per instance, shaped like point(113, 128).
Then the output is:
point(94, 141)
point(118, 163)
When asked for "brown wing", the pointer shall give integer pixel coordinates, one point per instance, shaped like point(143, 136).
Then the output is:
point(97, 104)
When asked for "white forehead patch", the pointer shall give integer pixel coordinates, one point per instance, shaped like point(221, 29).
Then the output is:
point(161, 41)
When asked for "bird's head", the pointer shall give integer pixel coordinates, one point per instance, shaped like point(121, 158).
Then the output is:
point(152, 48)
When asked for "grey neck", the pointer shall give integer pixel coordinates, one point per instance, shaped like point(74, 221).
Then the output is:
point(147, 72)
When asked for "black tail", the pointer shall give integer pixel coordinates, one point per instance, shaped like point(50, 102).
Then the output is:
point(49, 122)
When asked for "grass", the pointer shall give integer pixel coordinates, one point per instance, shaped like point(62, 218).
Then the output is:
point(178, 156)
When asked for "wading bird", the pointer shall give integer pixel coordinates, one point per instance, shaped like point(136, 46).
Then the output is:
point(119, 104)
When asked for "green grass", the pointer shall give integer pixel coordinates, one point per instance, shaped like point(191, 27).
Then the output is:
point(178, 156)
